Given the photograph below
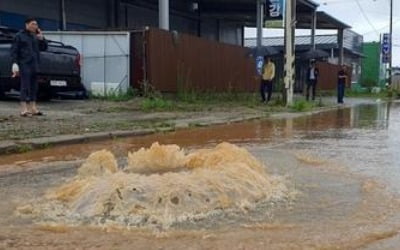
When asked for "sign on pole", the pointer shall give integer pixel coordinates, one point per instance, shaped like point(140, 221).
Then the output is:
point(259, 64)
point(275, 13)
point(386, 48)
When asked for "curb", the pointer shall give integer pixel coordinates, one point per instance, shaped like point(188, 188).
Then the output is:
point(10, 147)
point(44, 142)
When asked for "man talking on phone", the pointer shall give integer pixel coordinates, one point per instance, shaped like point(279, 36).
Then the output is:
point(25, 55)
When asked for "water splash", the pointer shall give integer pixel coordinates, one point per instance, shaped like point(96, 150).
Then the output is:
point(160, 186)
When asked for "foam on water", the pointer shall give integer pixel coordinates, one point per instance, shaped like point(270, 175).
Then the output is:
point(160, 186)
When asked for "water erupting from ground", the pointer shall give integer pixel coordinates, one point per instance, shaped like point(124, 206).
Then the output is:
point(160, 186)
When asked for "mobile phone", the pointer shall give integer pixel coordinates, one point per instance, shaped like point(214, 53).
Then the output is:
point(38, 31)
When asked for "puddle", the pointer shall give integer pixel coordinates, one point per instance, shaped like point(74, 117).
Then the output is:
point(343, 165)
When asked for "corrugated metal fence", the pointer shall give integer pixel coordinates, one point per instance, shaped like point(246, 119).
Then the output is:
point(328, 75)
point(170, 62)
point(179, 61)
point(396, 83)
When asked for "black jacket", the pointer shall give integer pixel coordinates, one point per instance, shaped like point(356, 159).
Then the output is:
point(26, 48)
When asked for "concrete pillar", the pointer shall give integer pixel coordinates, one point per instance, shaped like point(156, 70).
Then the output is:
point(290, 63)
point(163, 11)
point(260, 22)
point(313, 29)
point(341, 46)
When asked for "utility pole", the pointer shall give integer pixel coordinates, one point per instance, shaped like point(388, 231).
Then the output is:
point(290, 24)
point(391, 44)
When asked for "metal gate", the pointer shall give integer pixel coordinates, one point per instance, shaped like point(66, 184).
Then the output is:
point(105, 58)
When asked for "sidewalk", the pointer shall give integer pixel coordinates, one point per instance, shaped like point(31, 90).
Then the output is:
point(70, 122)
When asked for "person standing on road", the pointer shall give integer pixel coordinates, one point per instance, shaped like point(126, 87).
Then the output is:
point(312, 80)
point(25, 56)
point(268, 77)
point(342, 79)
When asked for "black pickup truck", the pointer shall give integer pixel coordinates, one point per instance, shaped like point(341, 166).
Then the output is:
point(59, 70)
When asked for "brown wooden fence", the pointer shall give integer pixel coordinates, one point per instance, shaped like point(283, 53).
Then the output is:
point(176, 61)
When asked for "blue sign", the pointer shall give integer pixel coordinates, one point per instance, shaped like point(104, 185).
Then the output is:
point(386, 53)
point(275, 13)
point(259, 64)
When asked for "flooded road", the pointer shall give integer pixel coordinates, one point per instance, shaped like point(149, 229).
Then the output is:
point(344, 164)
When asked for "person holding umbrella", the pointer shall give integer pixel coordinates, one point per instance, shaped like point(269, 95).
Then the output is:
point(268, 77)
point(342, 79)
point(312, 80)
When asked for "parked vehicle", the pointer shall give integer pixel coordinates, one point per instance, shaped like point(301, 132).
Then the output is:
point(59, 71)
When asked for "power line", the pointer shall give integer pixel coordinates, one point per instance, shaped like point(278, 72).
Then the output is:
point(382, 28)
point(361, 10)
point(380, 13)
point(339, 2)
point(366, 17)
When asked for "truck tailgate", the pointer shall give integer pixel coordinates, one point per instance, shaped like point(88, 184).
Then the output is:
point(60, 61)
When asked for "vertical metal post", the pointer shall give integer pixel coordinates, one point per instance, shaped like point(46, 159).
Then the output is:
point(163, 9)
point(117, 14)
point(313, 29)
point(341, 46)
point(260, 23)
point(63, 15)
point(109, 13)
point(391, 43)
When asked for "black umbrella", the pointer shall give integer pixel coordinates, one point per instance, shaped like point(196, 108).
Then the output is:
point(313, 54)
point(263, 51)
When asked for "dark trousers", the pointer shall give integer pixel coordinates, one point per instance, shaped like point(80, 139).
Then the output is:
point(266, 86)
point(29, 85)
point(340, 92)
point(312, 84)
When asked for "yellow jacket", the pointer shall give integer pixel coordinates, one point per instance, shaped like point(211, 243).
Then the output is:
point(269, 72)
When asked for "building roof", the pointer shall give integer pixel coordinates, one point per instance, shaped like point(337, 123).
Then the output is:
point(244, 11)
point(300, 40)
point(324, 21)
point(352, 42)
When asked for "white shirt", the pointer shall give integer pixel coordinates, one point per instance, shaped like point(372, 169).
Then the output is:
point(312, 74)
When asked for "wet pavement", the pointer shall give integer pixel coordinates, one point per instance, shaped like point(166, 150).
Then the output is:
point(344, 163)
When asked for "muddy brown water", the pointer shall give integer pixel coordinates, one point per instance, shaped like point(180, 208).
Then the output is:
point(344, 163)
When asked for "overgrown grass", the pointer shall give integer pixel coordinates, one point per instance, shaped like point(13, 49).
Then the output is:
point(352, 93)
point(214, 101)
point(157, 104)
point(383, 94)
point(117, 96)
point(302, 106)
point(194, 97)
point(24, 148)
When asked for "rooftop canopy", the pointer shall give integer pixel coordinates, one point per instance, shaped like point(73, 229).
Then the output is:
point(324, 21)
point(244, 11)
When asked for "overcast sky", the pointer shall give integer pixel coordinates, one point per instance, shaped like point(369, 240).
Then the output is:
point(368, 18)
